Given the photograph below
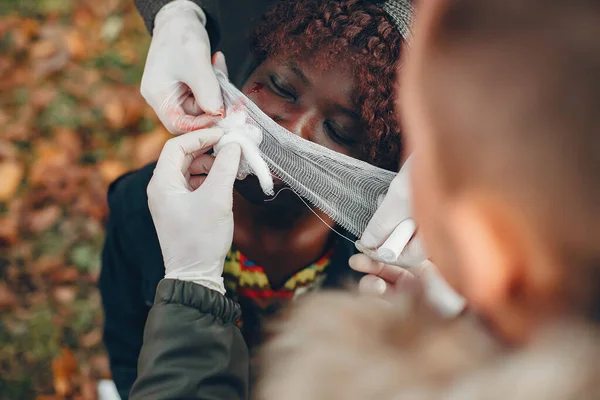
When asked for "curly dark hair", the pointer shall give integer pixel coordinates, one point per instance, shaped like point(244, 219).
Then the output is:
point(359, 30)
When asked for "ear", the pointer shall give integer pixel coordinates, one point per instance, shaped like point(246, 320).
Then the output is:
point(490, 262)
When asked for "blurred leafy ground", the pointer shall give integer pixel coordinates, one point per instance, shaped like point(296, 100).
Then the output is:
point(71, 121)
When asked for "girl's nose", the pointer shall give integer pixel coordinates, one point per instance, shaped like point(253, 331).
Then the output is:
point(299, 123)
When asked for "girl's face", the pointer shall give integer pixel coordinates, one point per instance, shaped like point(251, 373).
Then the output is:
point(314, 104)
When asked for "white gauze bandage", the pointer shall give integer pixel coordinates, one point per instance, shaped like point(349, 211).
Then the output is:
point(344, 188)
point(248, 136)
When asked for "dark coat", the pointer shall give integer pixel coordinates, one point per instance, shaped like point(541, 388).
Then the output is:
point(132, 267)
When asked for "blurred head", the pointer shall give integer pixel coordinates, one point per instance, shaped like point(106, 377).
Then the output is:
point(501, 100)
point(326, 72)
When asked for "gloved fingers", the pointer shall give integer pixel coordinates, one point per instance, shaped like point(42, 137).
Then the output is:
point(365, 264)
point(413, 254)
point(224, 171)
point(388, 216)
point(190, 107)
point(393, 246)
point(199, 169)
point(218, 61)
point(201, 164)
point(178, 111)
point(204, 85)
point(178, 153)
point(394, 209)
point(186, 123)
point(196, 181)
point(373, 285)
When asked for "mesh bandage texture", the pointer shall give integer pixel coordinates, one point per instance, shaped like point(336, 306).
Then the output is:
point(344, 188)
point(401, 12)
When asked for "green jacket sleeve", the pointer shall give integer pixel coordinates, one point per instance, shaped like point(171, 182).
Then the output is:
point(192, 348)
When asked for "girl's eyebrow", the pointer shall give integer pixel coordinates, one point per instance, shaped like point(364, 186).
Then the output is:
point(349, 112)
point(298, 72)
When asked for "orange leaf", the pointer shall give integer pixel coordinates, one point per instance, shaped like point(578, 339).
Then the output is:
point(134, 108)
point(112, 169)
point(43, 49)
point(100, 366)
point(69, 141)
point(49, 156)
point(76, 45)
point(91, 339)
point(11, 174)
point(30, 26)
point(82, 16)
point(42, 97)
point(52, 154)
point(64, 275)
point(7, 149)
point(9, 233)
point(64, 369)
point(114, 113)
point(88, 389)
point(7, 298)
point(47, 264)
point(43, 219)
point(64, 294)
point(149, 146)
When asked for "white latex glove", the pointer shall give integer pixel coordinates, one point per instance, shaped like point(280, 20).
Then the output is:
point(194, 227)
point(383, 279)
point(393, 257)
point(178, 80)
point(390, 234)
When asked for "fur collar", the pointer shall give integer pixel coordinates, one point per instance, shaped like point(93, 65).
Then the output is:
point(345, 346)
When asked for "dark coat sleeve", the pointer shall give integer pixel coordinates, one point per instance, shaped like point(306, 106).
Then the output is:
point(192, 348)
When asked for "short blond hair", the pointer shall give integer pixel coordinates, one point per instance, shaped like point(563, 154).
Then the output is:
point(513, 91)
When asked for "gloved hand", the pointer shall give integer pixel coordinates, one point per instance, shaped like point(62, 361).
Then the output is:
point(178, 80)
point(423, 279)
point(390, 234)
point(393, 257)
point(194, 227)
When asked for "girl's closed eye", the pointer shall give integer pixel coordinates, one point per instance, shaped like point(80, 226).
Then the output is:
point(281, 88)
point(338, 134)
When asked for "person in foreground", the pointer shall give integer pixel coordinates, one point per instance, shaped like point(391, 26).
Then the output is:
point(500, 101)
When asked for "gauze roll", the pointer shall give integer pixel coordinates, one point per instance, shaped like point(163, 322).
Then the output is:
point(344, 188)
point(248, 137)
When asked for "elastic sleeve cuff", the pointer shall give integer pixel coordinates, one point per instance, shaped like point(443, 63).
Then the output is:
point(205, 300)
